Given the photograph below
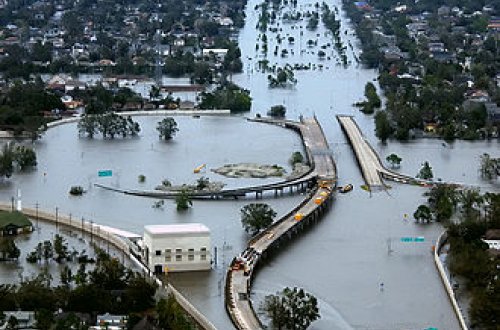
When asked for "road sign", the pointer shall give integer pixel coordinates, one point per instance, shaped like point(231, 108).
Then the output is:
point(412, 239)
point(104, 173)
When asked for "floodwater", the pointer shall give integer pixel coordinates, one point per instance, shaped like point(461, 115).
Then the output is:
point(343, 260)
point(16, 271)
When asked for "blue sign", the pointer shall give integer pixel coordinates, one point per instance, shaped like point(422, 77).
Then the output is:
point(105, 173)
point(412, 239)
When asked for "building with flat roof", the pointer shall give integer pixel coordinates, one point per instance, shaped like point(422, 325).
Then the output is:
point(177, 248)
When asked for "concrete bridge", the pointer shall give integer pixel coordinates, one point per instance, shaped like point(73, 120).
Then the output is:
point(242, 269)
point(371, 167)
point(315, 147)
point(278, 188)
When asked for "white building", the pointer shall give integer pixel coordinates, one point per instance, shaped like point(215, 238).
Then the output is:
point(177, 248)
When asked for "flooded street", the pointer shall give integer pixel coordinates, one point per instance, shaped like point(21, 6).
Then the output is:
point(342, 261)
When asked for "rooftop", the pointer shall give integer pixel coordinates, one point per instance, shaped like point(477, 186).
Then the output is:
point(14, 218)
point(177, 229)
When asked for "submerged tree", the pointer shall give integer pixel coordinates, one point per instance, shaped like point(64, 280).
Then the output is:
point(292, 309)
point(167, 128)
point(422, 214)
point(443, 200)
point(256, 216)
point(383, 128)
point(108, 124)
point(25, 157)
point(394, 160)
point(489, 167)
point(183, 200)
point(277, 111)
point(425, 172)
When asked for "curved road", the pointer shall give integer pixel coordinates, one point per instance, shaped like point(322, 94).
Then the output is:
point(240, 274)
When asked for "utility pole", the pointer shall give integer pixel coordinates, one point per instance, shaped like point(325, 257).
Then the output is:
point(91, 227)
point(36, 215)
point(57, 210)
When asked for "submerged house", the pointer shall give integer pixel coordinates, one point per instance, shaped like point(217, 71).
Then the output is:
point(14, 223)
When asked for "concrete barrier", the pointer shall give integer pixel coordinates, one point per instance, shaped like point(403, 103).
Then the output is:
point(446, 282)
point(179, 112)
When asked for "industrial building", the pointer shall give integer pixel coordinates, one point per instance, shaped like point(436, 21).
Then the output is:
point(177, 248)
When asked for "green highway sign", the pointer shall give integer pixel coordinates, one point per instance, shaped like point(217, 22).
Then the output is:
point(105, 173)
point(412, 239)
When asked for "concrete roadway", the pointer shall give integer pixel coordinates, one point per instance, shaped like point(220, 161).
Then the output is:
point(372, 168)
point(238, 282)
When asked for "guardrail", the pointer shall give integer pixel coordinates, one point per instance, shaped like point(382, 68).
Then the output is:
point(446, 282)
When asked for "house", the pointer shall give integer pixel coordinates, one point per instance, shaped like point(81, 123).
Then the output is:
point(111, 322)
point(83, 318)
point(493, 111)
point(65, 83)
point(219, 53)
point(443, 11)
point(477, 95)
point(13, 223)
point(186, 105)
point(176, 248)
point(25, 319)
point(71, 103)
point(492, 238)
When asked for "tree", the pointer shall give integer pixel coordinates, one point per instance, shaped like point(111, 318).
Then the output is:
point(383, 128)
point(47, 251)
point(154, 92)
point(274, 307)
point(12, 323)
point(6, 160)
point(256, 216)
point(372, 99)
point(292, 309)
point(489, 167)
point(81, 275)
point(296, 157)
point(25, 157)
point(8, 249)
point(171, 315)
point(66, 276)
point(425, 172)
point(87, 126)
point(60, 248)
point(442, 201)
point(277, 111)
point(183, 200)
point(394, 160)
point(284, 77)
point(108, 124)
point(44, 319)
point(470, 199)
point(422, 214)
point(228, 96)
point(202, 183)
point(167, 128)
point(139, 294)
